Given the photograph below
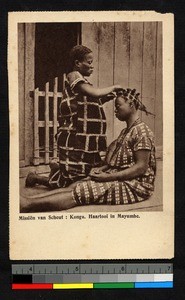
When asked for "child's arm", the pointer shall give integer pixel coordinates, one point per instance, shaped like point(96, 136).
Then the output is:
point(89, 90)
point(140, 167)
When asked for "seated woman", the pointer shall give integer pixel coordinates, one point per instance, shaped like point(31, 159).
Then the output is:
point(128, 174)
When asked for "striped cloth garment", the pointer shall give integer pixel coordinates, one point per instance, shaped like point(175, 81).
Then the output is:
point(120, 155)
point(81, 135)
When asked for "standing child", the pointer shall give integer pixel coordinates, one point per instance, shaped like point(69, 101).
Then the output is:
point(82, 124)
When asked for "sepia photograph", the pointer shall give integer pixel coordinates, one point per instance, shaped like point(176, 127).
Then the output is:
point(91, 118)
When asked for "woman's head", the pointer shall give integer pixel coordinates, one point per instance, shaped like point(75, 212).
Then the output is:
point(128, 102)
point(81, 60)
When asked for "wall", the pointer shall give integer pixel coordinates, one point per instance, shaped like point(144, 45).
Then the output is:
point(42, 55)
point(26, 73)
point(130, 54)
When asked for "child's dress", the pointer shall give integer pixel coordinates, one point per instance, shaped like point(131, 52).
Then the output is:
point(81, 135)
point(121, 155)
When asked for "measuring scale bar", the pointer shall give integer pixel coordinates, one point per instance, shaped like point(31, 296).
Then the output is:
point(92, 276)
point(150, 268)
point(73, 278)
point(106, 285)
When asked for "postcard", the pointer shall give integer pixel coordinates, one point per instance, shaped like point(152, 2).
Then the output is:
point(91, 105)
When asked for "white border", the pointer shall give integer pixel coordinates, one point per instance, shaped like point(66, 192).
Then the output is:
point(150, 236)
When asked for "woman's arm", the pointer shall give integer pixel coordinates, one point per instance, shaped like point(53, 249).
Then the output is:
point(140, 167)
point(98, 170)
point(108, 97)
point(89, 90)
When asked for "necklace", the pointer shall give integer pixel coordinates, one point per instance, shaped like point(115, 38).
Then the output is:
point(123, 135)
point(133, 124)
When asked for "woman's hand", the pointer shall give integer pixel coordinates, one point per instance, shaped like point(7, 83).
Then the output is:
point(98, 170)
point(102, 177)
point(138, 169)
point(117, 88)
point(95, 171)
point(108, 97)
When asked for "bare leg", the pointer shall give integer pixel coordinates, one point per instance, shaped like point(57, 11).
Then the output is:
point(74, 184)
point(57, 191)
point(44, 202)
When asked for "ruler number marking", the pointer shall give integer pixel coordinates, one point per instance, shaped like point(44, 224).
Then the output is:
point(77, 269)
point(93, 269)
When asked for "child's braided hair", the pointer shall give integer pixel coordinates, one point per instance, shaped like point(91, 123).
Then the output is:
point(133, 97)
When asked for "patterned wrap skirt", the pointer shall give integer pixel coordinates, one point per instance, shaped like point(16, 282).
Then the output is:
point(73, 166)
point(114, 192)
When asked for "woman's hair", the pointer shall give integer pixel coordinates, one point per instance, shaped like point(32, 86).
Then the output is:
point(133, 97)
point(77, 53)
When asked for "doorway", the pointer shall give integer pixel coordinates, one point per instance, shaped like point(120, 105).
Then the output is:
point(53, 42)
